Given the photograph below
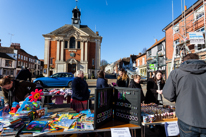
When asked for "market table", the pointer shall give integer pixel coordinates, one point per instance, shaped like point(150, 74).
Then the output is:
point(43, 98)
point(105, 128)
point(157, 122)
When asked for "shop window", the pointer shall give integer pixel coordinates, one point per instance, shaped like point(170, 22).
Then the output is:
point(4, 72)
point(12, 72)
point(201, 47)
point(78, 44)
point(8, 63)
point(92, 62)
point(19, 63)
point(72, 43)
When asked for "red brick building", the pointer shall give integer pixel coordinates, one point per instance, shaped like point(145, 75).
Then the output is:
point(194, 22)
point(71, 48)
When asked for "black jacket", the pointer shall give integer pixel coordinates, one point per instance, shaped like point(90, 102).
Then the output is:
point(187, 86)
point(151, 95)
point(136, 85)
point(102, 83)
point(80, 89)
point(24, 74)
point(18, 91)
point(122, 83)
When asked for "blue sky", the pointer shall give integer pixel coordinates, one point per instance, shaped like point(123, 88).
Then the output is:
point(126, 26)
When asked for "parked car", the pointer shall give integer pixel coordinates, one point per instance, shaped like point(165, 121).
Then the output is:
point(56, 80)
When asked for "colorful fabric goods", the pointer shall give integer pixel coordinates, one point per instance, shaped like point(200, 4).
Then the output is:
point(35, 95)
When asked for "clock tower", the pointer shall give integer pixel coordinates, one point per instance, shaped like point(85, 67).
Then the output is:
point(76, 17)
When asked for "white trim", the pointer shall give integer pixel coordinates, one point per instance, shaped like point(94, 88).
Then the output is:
point(86, 48)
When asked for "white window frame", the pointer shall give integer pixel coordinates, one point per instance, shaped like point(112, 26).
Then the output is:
point(199, 12)
point(143, 61)
point(19, 56)
point(176, 28)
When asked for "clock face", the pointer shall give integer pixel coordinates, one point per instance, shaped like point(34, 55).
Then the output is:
point(75, 21)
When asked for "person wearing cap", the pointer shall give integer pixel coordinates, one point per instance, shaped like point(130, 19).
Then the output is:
point(24, 74)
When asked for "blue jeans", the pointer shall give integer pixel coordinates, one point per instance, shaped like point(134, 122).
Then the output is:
point(190, 131)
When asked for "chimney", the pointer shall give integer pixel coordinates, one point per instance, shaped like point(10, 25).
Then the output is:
point(139, 54)
point(156, 40)
point(97, 32)
point(15, 45)
point(185, 7)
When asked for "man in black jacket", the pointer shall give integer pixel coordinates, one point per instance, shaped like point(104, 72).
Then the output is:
point(186, 86)
point(24, 74)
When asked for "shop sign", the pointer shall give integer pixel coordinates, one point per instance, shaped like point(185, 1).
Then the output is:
point(152, 66)
point(196, 38)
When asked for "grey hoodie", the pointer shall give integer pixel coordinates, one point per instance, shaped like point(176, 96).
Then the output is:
point(187, 87)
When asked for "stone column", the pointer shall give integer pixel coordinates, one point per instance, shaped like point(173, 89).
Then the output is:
point(58, 47)
point(82, 50)
point(86, 46)
point(75, 44)
point(46, 54)
point(62, 50)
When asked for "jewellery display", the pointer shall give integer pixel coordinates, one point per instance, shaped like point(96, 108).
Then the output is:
point(104, 115)
point(125, 116)
point(126, 105)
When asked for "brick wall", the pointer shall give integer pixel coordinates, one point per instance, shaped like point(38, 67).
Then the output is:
point(91, 54)
point(52, 53)
point(67, 55)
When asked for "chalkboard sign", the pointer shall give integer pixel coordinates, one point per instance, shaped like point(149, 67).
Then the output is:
point(103, 107)
point(127, 105)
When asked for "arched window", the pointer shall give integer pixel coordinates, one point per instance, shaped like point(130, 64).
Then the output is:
point(72, 43)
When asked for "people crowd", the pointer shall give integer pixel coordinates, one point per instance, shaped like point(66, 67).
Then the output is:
point(185, 86)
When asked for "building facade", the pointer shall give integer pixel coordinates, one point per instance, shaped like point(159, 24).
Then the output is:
point(156, 57)
point(141, 64)
point(194, 22)
point(71, 48)
point(7, 65)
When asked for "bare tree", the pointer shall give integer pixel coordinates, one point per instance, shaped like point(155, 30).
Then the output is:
point(103, 64)
point(144, 50)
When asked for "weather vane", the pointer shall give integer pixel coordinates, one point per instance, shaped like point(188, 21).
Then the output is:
point(76, 2)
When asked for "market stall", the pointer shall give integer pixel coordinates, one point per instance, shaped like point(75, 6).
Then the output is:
point(37, 121)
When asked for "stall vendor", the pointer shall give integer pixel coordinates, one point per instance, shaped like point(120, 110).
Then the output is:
point(80, 91)
point(14, 90)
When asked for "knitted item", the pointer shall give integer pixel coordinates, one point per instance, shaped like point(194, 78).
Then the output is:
point(58, 99)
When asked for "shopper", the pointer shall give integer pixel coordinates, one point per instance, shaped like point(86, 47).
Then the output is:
point(154, 89)
point(122, 79)
point(80, 91)
point(101, 81)
point(135, 83)
point(14, 90)
point(186, 86)
point(24, 74)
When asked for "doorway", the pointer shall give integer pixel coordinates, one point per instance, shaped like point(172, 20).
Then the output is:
point(72, 68)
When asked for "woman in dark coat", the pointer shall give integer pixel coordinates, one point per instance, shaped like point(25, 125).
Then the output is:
point(101, 81)
point(135, 83)
point(80, 91)
point(154, 95)
point(122, 79)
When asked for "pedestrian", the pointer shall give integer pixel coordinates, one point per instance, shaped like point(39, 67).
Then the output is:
point(14, 90)
point(24, 74)
point(122, 79)
point(186, 86)
point(154, 89)
point(102, 82)
point(135, 83)
point(80, 91)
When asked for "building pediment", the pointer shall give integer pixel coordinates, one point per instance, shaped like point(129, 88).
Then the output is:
point(72, 61)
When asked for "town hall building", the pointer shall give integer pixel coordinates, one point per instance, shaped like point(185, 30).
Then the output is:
point(71, 48)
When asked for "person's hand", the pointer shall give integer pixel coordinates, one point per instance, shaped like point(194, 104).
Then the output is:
point(6, 108)
point(159, 91)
